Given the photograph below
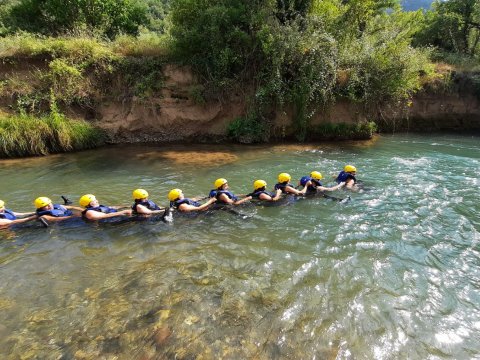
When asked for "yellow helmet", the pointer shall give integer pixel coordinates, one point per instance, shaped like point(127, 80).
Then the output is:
point(284, 177)
point(86, 199)
point(258, 184)
point(350, 168)
point(42, 201)
point(139, 194)
point(316, 175)
point(220, 182)
point(174, 194)
point(2, 203)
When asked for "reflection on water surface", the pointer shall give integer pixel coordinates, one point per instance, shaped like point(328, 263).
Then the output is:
point(391, 274)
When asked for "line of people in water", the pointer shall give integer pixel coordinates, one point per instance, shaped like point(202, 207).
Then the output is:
point(91, 209)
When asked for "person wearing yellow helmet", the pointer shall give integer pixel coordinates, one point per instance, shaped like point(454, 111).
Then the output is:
point(286, 188)
point(314, 185)
point(9, 217)
point(53, 212)
point(95, 211)
point(143, 205)
point(181, 203)
point(225, 196)
point(260, 192)
point(347, 175)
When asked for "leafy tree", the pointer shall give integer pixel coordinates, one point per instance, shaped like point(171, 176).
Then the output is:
point(453, 25)
point(157, 11)
point(109, 17)
point(299, 69)
point(288, 10)
point(358, 13)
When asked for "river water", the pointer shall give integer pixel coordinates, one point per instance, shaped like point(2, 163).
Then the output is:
point(391, 274)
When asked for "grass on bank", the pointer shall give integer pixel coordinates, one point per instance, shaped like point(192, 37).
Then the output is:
point(27, 135)
point(81, 47)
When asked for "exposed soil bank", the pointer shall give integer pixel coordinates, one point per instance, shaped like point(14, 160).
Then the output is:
point(176, 116)
point(177, 113)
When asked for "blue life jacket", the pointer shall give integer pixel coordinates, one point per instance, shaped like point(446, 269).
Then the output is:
point(217, 193)
point(8, 214)
point(344, 176)
point(177, 203)
point(149, 204)
point(282, 186)
point(256, 194)
point(100, 208)
point(57, 211)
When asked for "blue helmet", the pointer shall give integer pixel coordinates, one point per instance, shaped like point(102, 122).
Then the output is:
point(304, 180)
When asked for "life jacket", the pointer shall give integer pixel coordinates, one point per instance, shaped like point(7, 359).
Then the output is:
point(8, 215)
point(282, 187)
point(175, 204)
point(314, 185)
point(344, 176)
point(149, 204)
point(256, 194)
point(57, 211)
point(216, 194)
point(100, 208)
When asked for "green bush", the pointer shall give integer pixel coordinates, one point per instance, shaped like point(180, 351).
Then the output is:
point(56, 17)
point(249, 129)
point(344, 131)
point(215, 37)
point(299, 69)
point(381, 66)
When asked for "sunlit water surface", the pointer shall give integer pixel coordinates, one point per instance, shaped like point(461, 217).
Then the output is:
point(394, 273)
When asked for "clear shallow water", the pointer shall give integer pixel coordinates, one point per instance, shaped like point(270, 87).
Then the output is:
point(392, 274)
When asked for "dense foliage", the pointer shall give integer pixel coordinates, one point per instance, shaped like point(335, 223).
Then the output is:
point(453, 26)
point(109, 17)
point(287, 56)
point(300, 55)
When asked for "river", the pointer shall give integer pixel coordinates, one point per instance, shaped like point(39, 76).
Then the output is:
point(393, 273)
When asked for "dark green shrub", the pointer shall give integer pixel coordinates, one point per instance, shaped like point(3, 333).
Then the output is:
point(344, 131)
point(53, 17)
point(215, 37)
point(249, 129)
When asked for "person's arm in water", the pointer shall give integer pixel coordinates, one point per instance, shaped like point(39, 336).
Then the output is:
point(292, 190)
point(227, 200)
point(50, 218)
point(97, 215)
point(350, 184)
point(189, 208)
point(333, 188)
point(23, 214)
point(143, 210)
point(269, 198)
point(6, 222)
